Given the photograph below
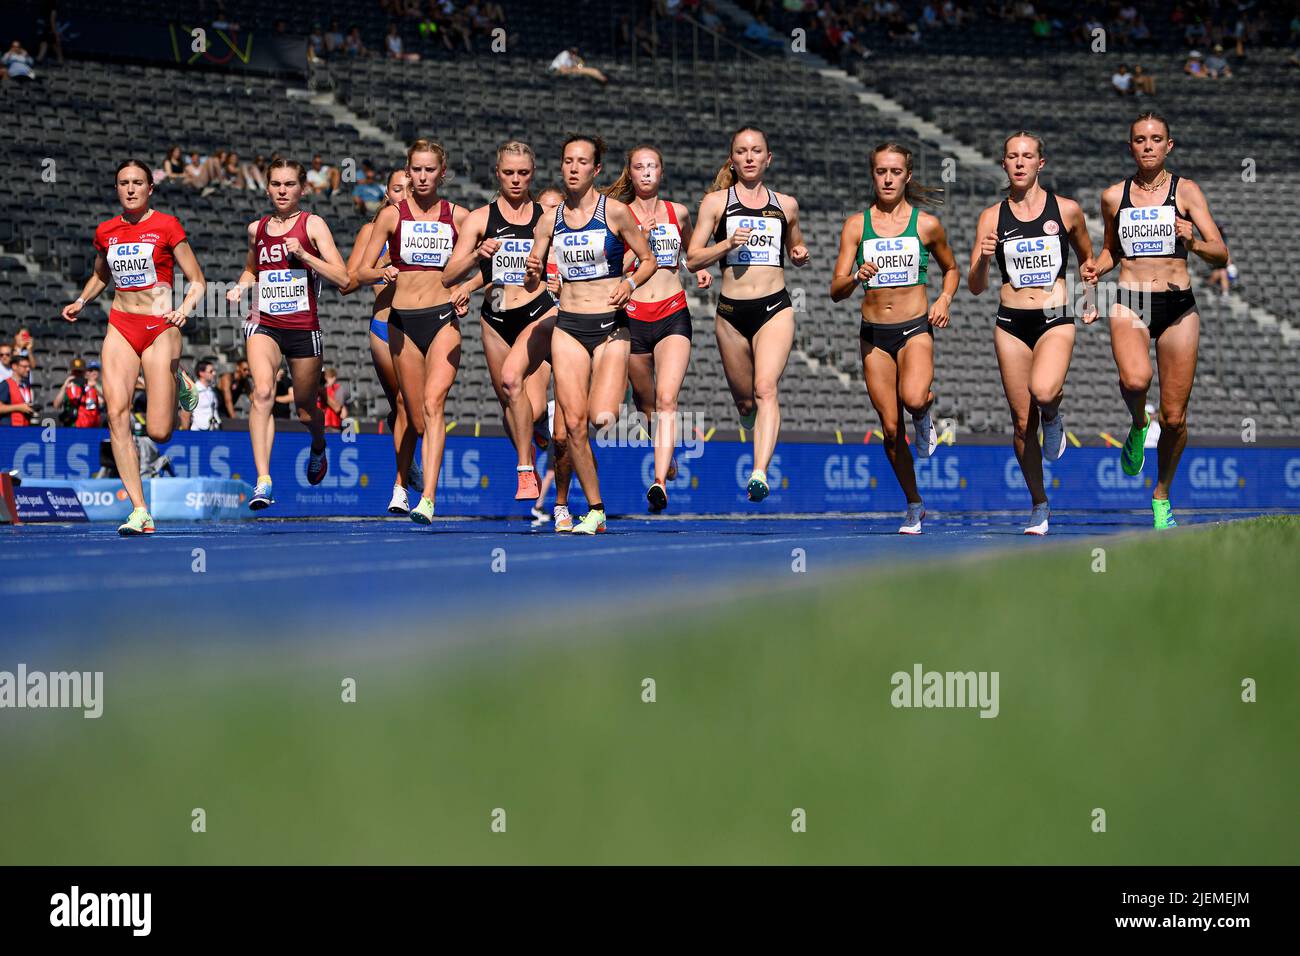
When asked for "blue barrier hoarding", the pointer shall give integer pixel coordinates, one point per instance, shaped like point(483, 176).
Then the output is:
point(477, 477)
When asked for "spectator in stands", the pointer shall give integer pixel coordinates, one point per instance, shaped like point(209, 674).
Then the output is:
point(332, 398)
point(393, 48)
point(352, 44)
point(18, 63)
point(205, 416)
point(1216, 65)
point(6, 357)
point(709, 17)
point(334, 39)
point(232, 172)
point(17, 407)
point(81, 399)
point(234, 386)
point(24, 344)
point(1041, 28)
point(69, 397)
point(49, 34)
point(283, 394)
point(322, 178)
point(315, 44)
point(368, 193)
point(759, 32)
point(255, 173)
point(173, 166)
point(1194, 34)
point(1122, 81)
point(570, 63)
point(1195, 67)
point(1144, 82)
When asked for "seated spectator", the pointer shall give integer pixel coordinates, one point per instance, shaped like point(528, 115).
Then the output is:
point(255, 173)
point(1122, 81)
point(18, 63)
point(173, 166)
point(352, 44)
point(17, 405)
point(24, 344)
point(1194, 67)
point(315, 44)
point(232, 172)
point(393, 46)
point(570, 63)
point(759, 32)
point(321, 178)
point(1217, 66)
point(1143, 81)
point(334, 39)
point(368, 193)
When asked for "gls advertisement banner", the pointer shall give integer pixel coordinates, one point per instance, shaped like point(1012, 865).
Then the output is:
point(478, 476)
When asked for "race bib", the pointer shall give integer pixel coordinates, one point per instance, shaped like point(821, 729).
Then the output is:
point(898, 261)
point(581, 255)
point(425, 243)
point(764, 245)
point(509, 260)
point(1032, 262)
point(666, 240)
point(132, 265)
point(1147, 232)
point(282, 292)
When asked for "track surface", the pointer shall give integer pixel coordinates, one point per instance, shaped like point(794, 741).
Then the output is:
point(269, 579)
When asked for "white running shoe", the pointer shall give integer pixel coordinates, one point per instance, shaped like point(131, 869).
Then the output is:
point(1054, 438)
point(927, 439)
point(912, 523)
point(1038, 520)
point(398, 504)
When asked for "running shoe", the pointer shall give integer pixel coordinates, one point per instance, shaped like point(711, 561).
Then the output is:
point(748, 420)
point(1054, 437)
point(915, 514)
point(657, 497)
point(399, 504)
point(593, 522)
point(1038, 519)
point(423, 512)
point(415, 476)
point(187, 395)
point(927, 439)
point(758, 489)
point(262, 497)
point(527, 488)
point(539, 515)
point(1164, 514)
point(563, 520)
point(137, 522)
point(318, 465)
point(672, 469)
point(1133, 454)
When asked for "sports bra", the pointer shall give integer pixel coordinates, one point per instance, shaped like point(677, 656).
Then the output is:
point(506, 267)
point(665, 239)
point(1032, 254)
point(422, 245)
point(592, 252)
point(1147, 232)
point(901, 260)
point(766, 245)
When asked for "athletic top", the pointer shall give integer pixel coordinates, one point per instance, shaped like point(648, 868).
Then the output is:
point(140, 254)
point(87, 401)
point(766, 245)
point(592, 252)
point(665, 240)
point(286, 288)
point(901, 260)
point(422, 245)
point(1147, 232)
point(381, 281)
point(506, 267)
point(1032, 254)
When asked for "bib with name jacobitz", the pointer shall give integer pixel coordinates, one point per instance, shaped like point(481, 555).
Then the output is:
point(422, 244)
point(900, 260)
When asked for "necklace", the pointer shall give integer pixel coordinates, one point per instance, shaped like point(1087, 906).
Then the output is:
point(1164, 176)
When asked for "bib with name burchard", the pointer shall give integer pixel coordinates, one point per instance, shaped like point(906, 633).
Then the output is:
point(1147, 232)
point(900, 260)
point(1033, 254)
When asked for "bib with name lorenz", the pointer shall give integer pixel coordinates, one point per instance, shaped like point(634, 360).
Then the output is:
point(283, 291)
point(509, 260)
point(581, 255)
point(1032, 262)
point(426, 242)
point(132, 265)
point(897, 259)
point(1147, 231)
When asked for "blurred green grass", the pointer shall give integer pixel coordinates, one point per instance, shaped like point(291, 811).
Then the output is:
point(1119, 690)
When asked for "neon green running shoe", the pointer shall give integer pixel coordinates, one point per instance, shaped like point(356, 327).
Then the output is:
point(757, 486)
point(593, 522)
point(187, 394)
point(423, 512)
point(748, 420)
point(138, 522)
point(1133, 454)
point(1164, 513)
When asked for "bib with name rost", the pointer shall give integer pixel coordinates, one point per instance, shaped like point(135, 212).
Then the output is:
point(421, 245)
point(592, 252)
point(1147, 232)
point(900, 260)
point(286, 287)
point(665, 239)
point(1034, 254)
point(140, 255)
point(506, 267)
point(766, 245)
